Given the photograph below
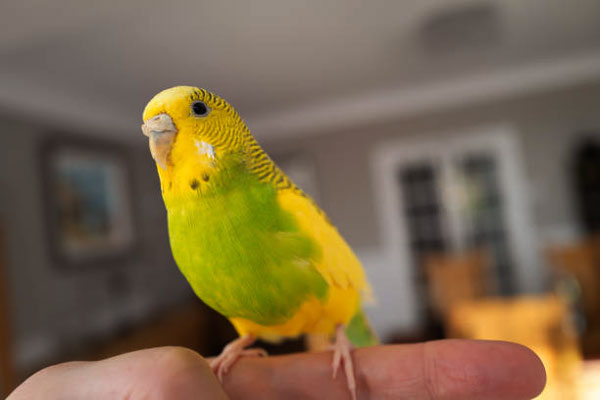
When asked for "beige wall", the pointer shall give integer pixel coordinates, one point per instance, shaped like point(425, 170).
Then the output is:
point(547, 124)
point(56, 309)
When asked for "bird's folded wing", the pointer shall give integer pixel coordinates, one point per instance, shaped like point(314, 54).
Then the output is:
point(337, 263)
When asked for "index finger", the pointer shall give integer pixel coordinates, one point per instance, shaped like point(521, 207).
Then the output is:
point(446, 369)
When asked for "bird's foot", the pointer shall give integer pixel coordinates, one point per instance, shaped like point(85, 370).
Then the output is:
point(232, 352)
point(341, 355)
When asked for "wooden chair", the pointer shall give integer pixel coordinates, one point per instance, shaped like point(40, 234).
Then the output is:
point(541, 323)
point(455, 278)
point(582, 261)
point(7, 369)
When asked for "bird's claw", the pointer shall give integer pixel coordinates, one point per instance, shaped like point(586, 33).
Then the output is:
point(231, 353)
point(342, 355)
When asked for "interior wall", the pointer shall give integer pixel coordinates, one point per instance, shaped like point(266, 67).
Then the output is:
point(56, 309)
point(548, 125)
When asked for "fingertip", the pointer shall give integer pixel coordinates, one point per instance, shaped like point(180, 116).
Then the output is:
point(532, 371)
point(490, 369)
point(453, 369)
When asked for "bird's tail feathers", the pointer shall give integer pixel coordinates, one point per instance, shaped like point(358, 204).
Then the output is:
point(359, 330)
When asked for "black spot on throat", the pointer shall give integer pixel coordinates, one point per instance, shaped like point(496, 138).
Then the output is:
point(194, 184)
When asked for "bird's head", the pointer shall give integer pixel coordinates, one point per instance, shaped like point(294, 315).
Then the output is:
point(187, 125)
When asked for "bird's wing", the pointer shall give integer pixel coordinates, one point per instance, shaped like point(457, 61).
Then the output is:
point(337, 262)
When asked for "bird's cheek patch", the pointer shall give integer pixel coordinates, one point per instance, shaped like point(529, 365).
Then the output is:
point(206, 149)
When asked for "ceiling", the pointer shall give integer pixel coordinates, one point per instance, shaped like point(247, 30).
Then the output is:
point(96, 64)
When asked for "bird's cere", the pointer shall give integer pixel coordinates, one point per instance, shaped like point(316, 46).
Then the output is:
point(161, 132)
point(206, 149)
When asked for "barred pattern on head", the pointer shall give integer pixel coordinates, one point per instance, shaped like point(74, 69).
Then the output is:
point(259, 162)
point(267, 171)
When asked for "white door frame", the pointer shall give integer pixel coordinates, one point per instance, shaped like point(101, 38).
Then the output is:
point(499, 140)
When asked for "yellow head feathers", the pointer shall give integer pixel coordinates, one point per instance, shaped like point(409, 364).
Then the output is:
point(182, 120)
point(192, 135)
point(178, 103)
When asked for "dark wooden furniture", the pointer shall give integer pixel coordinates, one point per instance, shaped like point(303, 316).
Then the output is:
point(581, 260)
point(7, 369)
point(455, 278)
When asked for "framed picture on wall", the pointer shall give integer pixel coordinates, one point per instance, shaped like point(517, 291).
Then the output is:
point(88, 201)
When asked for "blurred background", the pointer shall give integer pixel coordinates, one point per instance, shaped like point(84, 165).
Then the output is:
point(456, 145)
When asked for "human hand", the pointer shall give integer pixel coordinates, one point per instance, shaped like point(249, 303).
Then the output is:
point(446, 369)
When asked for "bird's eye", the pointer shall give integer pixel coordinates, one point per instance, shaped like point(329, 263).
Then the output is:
point(200, 109)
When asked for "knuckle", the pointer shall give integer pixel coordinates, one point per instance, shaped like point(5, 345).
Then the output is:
point(178, 369)
point(181, 358)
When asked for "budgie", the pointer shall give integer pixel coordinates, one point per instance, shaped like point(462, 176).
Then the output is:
point(252, 245)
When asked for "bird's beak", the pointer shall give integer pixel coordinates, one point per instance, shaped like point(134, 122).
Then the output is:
point(161, 132)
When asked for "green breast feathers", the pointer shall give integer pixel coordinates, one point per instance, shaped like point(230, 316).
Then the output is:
point(243, 255)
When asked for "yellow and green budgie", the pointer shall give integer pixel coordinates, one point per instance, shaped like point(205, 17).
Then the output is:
point(252, 245)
